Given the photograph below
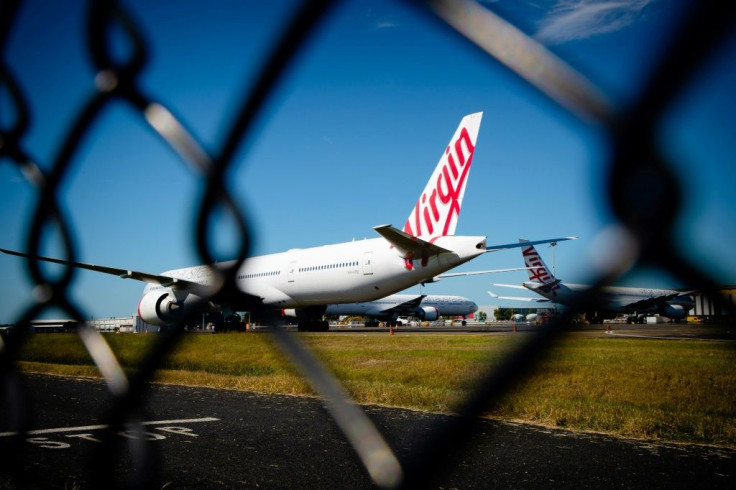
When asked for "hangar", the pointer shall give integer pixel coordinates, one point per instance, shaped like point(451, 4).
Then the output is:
point(718, 308)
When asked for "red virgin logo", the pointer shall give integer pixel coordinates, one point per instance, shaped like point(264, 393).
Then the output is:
point(439, 205)
point(539, 271)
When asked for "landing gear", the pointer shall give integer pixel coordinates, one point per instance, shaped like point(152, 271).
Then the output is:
point(313, 326)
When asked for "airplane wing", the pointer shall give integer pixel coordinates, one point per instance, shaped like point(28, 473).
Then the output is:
point(520, 298)
point(651, 302)
point(473, 273)
point(514, 286)
point(406, 308)
point(494, 248)
point(408, 246)
point(165, 281)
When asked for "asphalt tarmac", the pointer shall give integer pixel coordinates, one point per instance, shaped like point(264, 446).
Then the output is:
point(207, 438)
point(669, 331)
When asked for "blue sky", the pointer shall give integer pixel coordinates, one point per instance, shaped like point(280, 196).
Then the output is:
point(351, 135)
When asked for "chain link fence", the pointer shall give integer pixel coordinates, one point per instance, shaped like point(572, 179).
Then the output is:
point(635, 160)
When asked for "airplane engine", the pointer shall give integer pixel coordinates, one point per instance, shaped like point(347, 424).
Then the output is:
point(428, 313)
point(162, 307)
point(289, 313)
point(676, 312)
point(532, 318)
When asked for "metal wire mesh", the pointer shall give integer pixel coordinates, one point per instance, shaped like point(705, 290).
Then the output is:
point(634, 156)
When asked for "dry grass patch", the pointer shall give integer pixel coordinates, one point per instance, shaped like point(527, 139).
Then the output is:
point(673, 390)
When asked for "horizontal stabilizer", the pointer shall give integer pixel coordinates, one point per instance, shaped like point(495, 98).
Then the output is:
point(494, 248)
point(164, 281)
point(409, 247)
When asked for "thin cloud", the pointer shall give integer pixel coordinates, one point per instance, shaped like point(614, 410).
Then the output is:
point(386, 25)
point(580, 19)
point(376, 23)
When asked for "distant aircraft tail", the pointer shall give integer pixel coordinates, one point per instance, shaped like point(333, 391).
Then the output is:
point(538, 270)
point(436, 211)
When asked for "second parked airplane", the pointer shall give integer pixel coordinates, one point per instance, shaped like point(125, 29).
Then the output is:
point(671, 303)
point(424, 307)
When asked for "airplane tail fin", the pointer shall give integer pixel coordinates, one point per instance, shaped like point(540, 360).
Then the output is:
point(538, 270)
point(436, 211)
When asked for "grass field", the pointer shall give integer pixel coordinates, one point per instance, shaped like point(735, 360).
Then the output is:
point(671, 390)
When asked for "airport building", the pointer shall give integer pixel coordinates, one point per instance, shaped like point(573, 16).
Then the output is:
point(125, 324)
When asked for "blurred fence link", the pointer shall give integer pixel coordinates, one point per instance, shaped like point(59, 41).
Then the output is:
point(634, 155)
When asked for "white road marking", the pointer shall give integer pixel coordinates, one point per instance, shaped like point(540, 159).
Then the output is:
point(104, 426)
point(661, 337)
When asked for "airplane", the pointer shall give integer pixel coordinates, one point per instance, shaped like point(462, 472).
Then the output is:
point(390, 308)
point(307, 280)
point(670, 303)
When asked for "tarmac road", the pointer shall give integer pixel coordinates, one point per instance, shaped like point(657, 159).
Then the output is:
point(670, 331)
point(207, 438)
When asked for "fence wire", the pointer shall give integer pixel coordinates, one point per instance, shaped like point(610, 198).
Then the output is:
point(635, 158)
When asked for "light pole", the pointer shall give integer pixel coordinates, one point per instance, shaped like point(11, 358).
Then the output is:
point(554, 269)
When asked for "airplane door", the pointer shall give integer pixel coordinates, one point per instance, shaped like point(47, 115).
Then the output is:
point(367, 263)
point(290, 271)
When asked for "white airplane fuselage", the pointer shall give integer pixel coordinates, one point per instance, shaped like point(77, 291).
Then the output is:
point(611, 297)
point(361, 270)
